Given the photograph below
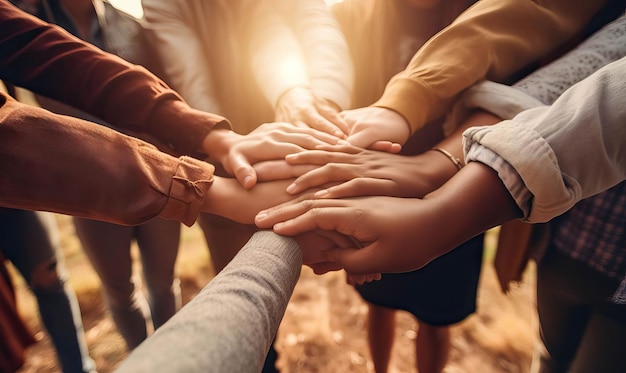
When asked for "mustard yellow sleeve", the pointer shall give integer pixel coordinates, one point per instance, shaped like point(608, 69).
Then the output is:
point(493, 39)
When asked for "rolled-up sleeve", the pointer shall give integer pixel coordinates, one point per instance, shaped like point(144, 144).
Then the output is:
point(568, 151)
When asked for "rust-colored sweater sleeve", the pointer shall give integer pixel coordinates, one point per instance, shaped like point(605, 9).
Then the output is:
point(66, 165)
point(493, 39)
point(49, 61)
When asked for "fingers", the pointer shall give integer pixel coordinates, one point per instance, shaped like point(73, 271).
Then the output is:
point(296, 127)
point(366, 260)
point(341, 153)
point(243, 171)
point(386, 146)
point(280, 170)
point(336, 121)
point(324, 124)
point(320, 176)
point(358, 187)
point(321, 268)
point(295, 218)
point(331, 111)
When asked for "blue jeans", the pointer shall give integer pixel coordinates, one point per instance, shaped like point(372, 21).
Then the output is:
point(108, 247)
point(30, 241)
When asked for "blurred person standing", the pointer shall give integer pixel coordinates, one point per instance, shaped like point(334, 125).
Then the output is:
point(253, 62)
point(107, 245)
point(383, 35)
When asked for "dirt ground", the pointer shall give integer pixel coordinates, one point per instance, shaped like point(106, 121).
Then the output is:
point(323, 328)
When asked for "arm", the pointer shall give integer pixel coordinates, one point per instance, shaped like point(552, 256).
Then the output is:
point(230, 325)
point(490, 40)
point(326, 51)
point(301, 62)
point(181, 51)
point(562, 153)
point(66, 165)
point(581, 148)
point(70, 166)
point(401, 234)
point(51, 62)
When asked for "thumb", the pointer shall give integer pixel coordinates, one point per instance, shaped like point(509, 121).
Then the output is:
point(358, 261)
point(244, 172)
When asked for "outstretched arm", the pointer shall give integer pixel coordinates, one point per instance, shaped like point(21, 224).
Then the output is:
point(300, 59)
point(490, 40)
point(578, 142)
point(401, 234)
point(543, 147)
point(70, 166)
point(230, 325)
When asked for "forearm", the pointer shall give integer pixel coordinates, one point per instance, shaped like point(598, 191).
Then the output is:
point(277, 59)
point(326, 51)
point(567, 151)
point(230, 325)
point(435, 167)
point(183, 56)
point(491, 40)
point(471, 202)
point(544, 85)
point(229, 199)
point(66, 165)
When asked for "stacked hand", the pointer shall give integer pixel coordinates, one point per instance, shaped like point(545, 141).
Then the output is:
point(300, 107)
point(391, 233)
point(270, 141)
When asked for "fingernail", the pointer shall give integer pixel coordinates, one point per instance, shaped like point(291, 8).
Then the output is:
point(291, 188)
point(247, 180)
point(321, 193)
point(261, 215)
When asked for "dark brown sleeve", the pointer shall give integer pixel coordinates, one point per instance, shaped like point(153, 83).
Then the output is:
point(49, 61)
point(66, 165)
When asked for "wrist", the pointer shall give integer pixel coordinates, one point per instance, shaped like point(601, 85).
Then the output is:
point(297, 91)
point(432, 171)
point(457, 162)
point(216, 144)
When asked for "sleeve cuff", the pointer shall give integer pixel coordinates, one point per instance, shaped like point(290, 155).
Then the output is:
point(189, 187)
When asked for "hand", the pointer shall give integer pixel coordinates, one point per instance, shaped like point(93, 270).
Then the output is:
point(280, 170)
point(229, 199)
point(361, 279)
point(300, 107)
point(401, 234)
point(361, 172)
point(391, 234)
point(315, 246)
point(237, 153)
point(376, 128)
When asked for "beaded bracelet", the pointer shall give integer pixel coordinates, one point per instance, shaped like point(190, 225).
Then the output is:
point(455, 160)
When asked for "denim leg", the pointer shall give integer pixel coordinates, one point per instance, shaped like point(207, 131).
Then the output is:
point(108, 248)
point(30, 241)
point(231, 324)
point(60, 314)
point(158, 242)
